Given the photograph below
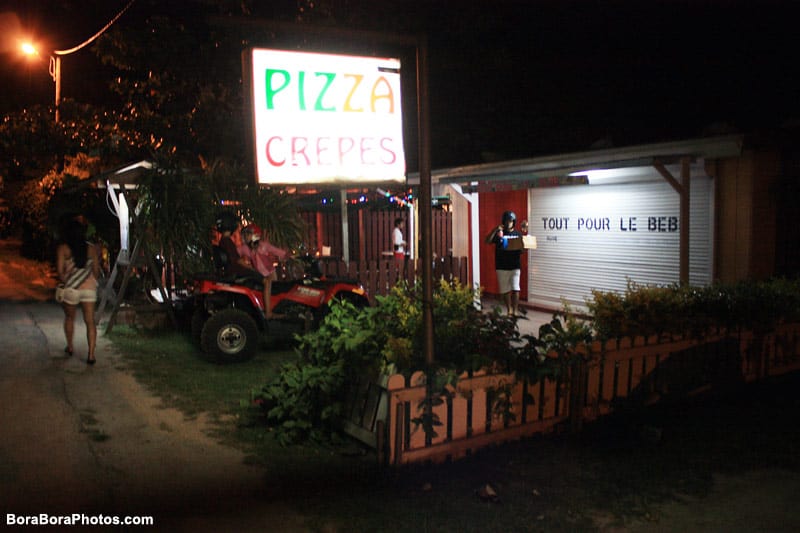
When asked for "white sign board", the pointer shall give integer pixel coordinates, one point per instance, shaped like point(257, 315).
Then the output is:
point(325, 118)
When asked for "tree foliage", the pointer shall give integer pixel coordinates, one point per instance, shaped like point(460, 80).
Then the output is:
point(180, 81)
point(177, 208)
point(40, 205)
point(28, 143)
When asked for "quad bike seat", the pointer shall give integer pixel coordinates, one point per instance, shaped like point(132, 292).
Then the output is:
point(222, 274)
point(221, 262)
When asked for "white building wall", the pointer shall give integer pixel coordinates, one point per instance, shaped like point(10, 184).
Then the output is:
point(600, 236)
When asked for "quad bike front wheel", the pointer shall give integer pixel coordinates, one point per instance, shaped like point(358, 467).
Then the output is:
point(230, 336)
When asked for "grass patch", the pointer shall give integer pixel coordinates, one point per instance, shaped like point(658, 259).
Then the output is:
point(613, 470)
point(171, 367)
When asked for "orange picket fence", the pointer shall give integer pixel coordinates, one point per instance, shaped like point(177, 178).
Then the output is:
point(487, 409)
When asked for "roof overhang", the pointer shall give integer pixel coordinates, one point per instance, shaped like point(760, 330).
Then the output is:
point(126, 176)
point(561, 165)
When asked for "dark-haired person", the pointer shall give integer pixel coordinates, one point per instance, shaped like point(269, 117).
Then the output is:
point(78, 267)
point(398, 242)
point(507, 261)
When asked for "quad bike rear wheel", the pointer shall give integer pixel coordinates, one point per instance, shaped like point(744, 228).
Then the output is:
point(230, 335)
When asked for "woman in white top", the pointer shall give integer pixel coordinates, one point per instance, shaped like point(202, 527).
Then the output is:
point(398, 242)
point(78, 268)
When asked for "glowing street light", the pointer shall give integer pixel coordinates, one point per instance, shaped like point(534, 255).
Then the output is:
point(29, 49)
point(55, 58)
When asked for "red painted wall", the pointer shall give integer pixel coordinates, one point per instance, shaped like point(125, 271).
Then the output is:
point(492, 205)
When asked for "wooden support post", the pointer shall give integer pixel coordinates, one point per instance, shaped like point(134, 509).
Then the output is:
point(683, 188)
point(362, 244)
point(166, 299)
point(319, 235)
point(120, 296)
point(577, 395)
point(399, 417)
point(123, 287)
point(345, 226)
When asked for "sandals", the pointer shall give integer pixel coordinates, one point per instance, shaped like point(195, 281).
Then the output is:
point(88, 360)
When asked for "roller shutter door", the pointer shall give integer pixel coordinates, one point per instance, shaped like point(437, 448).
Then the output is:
point(600, 236)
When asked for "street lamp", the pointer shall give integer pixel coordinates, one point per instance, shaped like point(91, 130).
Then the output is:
point(55, 73)
point(55, 58)
point(29, 49)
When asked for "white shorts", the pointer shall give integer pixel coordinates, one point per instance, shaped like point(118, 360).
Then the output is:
point(508, 280)
point(75, 296)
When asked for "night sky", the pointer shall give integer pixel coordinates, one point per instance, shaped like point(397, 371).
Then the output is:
point(520, 79)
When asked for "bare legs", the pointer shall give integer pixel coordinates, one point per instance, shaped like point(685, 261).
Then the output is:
point(91, 328)
point(69, 325)
point(268, 298)
point(511, 299)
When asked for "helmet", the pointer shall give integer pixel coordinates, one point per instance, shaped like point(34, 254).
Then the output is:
point(251, 233)
point(509, 216)
point(226, 221)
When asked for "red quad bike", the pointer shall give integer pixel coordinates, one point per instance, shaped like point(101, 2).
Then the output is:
point(229, 319)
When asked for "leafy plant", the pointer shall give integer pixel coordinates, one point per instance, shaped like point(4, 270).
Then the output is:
point(561, 344)
point(677, 309)
point(175, 214)
point(563, 338)
point(177, 207)
point(308, 398)
point(40, 203)
point(273, 209)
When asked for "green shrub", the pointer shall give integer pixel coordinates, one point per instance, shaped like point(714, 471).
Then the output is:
point(679, 309)
point(561, 343)
point(308, 397)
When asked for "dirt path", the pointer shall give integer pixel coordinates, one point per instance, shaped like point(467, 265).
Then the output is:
point(91, 440)
point(81, 439)
point(23, 280)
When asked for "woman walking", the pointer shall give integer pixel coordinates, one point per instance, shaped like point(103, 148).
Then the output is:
point(78, 268)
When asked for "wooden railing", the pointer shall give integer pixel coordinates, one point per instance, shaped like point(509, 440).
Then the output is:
point(630, 372)
point(370, 232)
point(379, 276)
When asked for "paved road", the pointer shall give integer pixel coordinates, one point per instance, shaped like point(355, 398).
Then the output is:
point(41, 450)
point(90, 440)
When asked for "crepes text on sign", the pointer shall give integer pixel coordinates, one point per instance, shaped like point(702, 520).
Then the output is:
point(324, 118)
